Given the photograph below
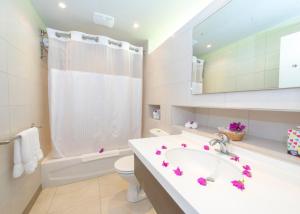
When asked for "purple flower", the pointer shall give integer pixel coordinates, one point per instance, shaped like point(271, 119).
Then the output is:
point(184, 145)
point(247, 167)
point(101, 150)
point(247, 173)
point(202, 181)
point(163, 147)
point(235, 158)
point(206, 147)
point(236, 127)
point(238, 184)
point(165, 164)
point(178, 172)
point(158, 152)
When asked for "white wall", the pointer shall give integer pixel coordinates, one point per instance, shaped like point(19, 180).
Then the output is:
point(167, 82)
point(23, 96)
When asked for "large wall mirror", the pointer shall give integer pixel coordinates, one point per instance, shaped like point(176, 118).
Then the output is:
point(248, 45)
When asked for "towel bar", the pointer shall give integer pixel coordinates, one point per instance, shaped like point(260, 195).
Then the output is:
point(5, 142)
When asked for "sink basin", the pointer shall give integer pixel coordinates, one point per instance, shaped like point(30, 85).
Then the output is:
point(204, 164)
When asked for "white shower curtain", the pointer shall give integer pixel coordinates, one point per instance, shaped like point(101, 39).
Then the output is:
point(95, 93)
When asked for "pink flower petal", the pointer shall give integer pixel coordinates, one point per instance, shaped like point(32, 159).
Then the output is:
point(184, 145)
point(247, 173)
point(165, 164)
point(247, 167)
point(178, 172)
point(206, 147)
point(158, 152)
point(101, 150)
point(238, 184)
point(235, 158)
point(202, 181)
point(163, 147)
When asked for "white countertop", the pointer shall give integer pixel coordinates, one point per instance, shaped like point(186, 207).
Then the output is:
point(274, 187)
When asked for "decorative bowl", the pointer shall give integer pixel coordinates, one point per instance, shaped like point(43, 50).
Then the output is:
point(234, 136)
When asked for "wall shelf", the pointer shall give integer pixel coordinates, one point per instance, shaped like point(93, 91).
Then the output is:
point(266, 131)
point(238, 108)
point(151, 109)
point(270, 148)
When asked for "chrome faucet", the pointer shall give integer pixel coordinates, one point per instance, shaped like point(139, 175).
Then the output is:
point(222, 140)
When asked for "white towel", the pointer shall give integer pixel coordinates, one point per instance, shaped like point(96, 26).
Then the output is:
point(18, 165)
point(194, 125)
point(188, 125)
point(27, 152)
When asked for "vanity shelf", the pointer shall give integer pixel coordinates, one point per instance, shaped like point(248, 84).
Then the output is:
point(271, 148)
point(238, 108)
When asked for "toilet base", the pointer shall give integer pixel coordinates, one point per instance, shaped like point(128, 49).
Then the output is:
point(135, 193)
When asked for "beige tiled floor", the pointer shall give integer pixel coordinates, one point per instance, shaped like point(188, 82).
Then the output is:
point(103, 195)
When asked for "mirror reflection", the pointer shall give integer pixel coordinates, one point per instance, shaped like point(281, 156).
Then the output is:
point(257, 50)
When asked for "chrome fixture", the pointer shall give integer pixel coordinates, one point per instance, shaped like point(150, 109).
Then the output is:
point(222, 140)
point(11, 140)
point(44, 43)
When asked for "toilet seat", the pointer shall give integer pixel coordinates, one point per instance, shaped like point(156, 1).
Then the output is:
point(125, 165)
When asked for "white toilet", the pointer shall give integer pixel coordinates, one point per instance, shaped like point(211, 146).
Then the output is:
point(125, 168)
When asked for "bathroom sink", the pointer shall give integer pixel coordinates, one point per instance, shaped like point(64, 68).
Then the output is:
point(204, 164)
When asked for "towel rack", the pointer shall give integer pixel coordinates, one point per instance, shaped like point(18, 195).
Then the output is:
point(5, 142)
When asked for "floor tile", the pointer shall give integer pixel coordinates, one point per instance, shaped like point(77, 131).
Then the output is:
point(118, 204)
point(73, 195)
point(89, 206)
point(111, 184)
point(43, 202)
point(103, 195)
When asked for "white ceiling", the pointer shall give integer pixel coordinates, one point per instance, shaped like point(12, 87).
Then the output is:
point(241, 18)
point(158, 19)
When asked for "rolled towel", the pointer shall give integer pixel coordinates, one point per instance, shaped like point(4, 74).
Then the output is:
point(194, 125)
point(191, 125)
point(187, 125)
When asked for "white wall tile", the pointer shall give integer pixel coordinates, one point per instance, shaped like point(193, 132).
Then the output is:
point(4, 89)
point(20, 118)
point(15, 62)
point(3, 55)
point(4, 123)
point(18, 90)
point(222, 117)
point(23, 96)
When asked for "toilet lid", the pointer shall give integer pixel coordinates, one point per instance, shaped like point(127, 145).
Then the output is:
point(125, 164)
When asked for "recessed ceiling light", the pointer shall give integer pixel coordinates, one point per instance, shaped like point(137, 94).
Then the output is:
point(62, 5)
point(136, 25)
point(208, 46)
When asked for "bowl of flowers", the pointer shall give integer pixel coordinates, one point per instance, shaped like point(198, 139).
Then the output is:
point(235, 131)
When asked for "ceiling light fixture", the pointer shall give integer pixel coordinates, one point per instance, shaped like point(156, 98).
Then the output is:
point(208, 46)
point(62, 5)
point(136, 25)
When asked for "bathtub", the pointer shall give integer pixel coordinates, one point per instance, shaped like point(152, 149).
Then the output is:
point(61, 171)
